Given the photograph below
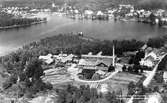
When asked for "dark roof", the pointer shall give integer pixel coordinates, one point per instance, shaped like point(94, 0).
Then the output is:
point(105, 62)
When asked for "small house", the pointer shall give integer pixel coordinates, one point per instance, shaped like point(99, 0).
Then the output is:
point(149, 60)
point(165, 76)
point(88, 14)
point(148, 63)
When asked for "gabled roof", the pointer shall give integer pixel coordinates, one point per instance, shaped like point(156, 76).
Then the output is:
point(89, 12)
point(45, 57)
point(99, 54)
point(105, 62)
point(48, 58)
point(144, 47)
point(100, 13)
point(152, 55)
point(83, 62)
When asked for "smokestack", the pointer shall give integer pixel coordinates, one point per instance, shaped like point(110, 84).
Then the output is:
point(113, 54)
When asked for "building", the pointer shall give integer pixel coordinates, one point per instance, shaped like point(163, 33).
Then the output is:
point(88, 14)
point(95, 64)
point(47, 59)
point(165, 76)
point(154, 98)
point(64, 58)
point(103, 65)
point(149, 60)
point(148, 63)
point(90, 56)
point(152, 55)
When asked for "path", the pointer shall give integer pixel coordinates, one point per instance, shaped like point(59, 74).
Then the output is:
point(76, 78)
point(147, 81)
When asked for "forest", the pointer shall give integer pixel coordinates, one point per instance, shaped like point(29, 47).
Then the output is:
point(26, 70)
point(10, 20)
point(85, 94)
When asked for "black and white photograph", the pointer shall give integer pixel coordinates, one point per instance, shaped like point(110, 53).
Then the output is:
point(83, 51)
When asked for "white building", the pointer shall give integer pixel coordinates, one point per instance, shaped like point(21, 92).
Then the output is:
point(165, 76)
point(147, 63)
point(47, 59)
point(88, 12)
point(154, 98)
point(100, 13)
point(149, 59)
point(64, 57)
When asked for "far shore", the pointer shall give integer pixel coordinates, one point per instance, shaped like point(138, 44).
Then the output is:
point(18, 26)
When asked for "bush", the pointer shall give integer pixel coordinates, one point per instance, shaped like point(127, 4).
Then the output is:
point(48, 86)
point(7, 85)
point(9, 82)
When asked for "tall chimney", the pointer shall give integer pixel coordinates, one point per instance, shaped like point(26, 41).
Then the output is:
point(113, 54)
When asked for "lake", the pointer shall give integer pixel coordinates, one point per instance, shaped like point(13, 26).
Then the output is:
point(15, 38)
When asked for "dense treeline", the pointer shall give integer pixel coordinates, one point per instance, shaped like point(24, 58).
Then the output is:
point(10, 20)
point(25, 74)
point(76, 44)
point(18, 22)
point(85, 94)
point(157, 42)
point(162, 65)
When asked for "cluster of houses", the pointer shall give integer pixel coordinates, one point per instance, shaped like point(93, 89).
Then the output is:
point(98, 64)
point(152, 56)
point(121, 12)
point(25, 12)
point(95, 62)
point(63, 58)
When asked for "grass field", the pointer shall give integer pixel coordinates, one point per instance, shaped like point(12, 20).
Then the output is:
point(121, 81)
point(118, 82)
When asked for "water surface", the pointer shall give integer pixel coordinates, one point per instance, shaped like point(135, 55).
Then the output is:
point(14, 38)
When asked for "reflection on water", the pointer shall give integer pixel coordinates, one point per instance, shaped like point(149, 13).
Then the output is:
point(14, 38)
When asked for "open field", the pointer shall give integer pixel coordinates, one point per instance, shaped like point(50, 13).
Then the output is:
point(57, 76)
point(118, 82)
point(121, 81)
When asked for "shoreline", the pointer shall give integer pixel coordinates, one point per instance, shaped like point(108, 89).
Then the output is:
point(7, 51)
point(19, 26)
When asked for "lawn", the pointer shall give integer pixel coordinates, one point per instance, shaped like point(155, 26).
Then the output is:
point(121, 80)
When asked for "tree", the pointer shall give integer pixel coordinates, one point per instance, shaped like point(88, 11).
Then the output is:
point(131, 88)
point(34, 69)
point(124, 68)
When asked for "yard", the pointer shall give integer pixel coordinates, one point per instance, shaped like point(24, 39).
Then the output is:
point(121, 80)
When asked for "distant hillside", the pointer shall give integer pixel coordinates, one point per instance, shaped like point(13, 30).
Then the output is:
point(102, 4)
point(99, 4)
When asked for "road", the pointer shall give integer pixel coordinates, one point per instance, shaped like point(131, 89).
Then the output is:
point(97, 81)
point(147, 81)
point(74, 72)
